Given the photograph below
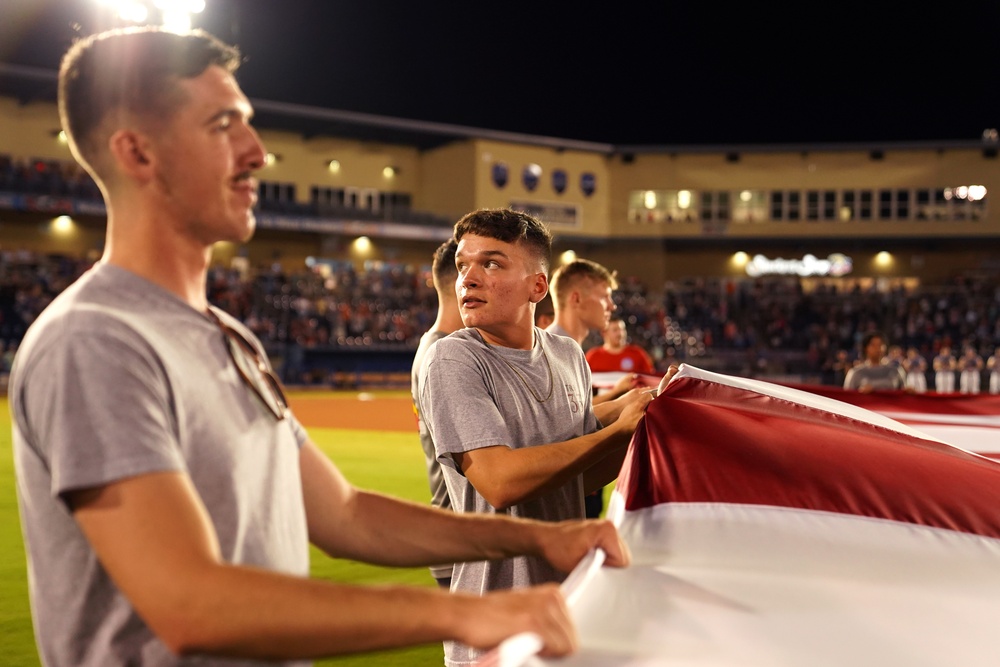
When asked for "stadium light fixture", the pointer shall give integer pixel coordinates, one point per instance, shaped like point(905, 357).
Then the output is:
point(176, 14)
point(173, 15)
point(62, 225)
point(362, 247)
point(130, 11)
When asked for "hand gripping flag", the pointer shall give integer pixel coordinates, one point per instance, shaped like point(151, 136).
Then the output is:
point(771, 526)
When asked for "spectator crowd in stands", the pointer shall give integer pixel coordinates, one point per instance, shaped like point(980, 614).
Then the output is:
point(53, 178)
point(752, 328)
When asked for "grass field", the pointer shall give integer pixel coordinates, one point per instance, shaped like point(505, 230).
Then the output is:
point(386, 461)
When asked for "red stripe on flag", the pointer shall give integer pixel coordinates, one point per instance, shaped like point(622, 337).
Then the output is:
point(705, 442)
point(902, 401)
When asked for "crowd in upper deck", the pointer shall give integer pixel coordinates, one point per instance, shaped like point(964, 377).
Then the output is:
point(751, 327)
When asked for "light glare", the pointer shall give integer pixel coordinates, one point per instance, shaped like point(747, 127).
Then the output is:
point(176, 21)
point(131, 11)
point(62, 224)
point(684, 199)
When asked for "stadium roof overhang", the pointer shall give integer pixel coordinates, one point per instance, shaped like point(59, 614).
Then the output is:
point(30, 84)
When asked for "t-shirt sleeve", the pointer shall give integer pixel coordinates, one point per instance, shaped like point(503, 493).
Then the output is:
point(100, 405)
point(458, 404)
point(849, 380)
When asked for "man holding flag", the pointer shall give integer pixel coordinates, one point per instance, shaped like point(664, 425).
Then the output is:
point(508, 405)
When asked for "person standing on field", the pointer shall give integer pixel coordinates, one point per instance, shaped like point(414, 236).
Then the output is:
point(617, 354)
point(508, 404)
point(448, 319)
point(167, 493)
point(874, 371)
point(582, 296)
point(944, 370)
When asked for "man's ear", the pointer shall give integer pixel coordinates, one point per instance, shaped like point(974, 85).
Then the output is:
point(131, 153)
point(540, 287)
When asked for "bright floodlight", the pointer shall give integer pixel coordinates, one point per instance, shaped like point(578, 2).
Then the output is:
point(187, 6)
point(128, 10)
point(977, 192)
point(175, 14)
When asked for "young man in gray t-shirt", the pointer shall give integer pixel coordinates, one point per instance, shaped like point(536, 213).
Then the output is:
point(167, 494)
point(509, 406)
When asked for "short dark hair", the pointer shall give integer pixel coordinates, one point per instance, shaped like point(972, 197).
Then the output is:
point(509, 226)
point(443, 267)
point(869, 337)
point(131, 70)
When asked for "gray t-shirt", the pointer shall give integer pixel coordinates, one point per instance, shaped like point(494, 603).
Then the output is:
point(882, 376)
point(473, 397)
point(435, 477)
point(119, 378)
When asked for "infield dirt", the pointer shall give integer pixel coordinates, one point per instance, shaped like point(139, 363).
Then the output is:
point(354, 410)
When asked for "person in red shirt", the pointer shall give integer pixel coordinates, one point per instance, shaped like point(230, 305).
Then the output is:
point(617, 354)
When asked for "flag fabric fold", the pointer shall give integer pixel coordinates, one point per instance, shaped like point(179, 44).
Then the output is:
point(773, 526)
point(969, 421)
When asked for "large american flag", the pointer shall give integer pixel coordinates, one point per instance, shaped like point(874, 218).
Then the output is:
point(771, 525)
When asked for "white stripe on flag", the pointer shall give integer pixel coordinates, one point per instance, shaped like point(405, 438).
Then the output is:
point(787, 528)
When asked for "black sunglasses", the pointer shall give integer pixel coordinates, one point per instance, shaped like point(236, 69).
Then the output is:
point(253, 369)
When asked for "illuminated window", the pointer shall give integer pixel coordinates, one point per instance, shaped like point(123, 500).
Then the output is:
point(663, 206)
point(848, 210)
point(750, 206)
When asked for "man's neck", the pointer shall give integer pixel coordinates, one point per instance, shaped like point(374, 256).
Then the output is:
point(448, 318)
point(165, 260)
point(575, 328)
point(518, 338)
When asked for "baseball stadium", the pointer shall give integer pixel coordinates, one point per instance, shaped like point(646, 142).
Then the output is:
point(766, 264)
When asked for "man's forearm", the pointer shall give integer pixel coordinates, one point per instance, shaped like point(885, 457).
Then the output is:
point(401, 533)
point(241, 612)
point(506, 477)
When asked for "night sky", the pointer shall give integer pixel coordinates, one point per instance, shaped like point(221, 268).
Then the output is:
point(680, 74)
